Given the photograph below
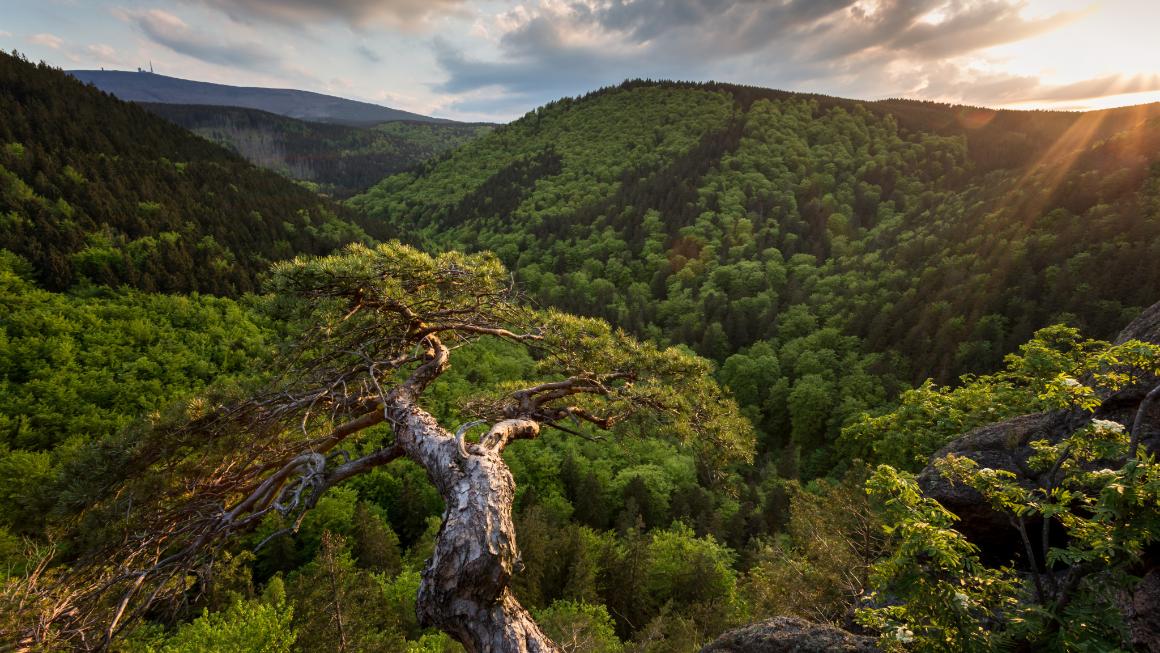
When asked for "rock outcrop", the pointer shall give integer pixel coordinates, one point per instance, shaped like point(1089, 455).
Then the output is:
point(1006, 445)
point(790, 635)
point(1146, 327)
point(1003, 445)
point(1143, 613)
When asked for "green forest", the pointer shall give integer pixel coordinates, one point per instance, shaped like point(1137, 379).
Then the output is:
point(887, 368)
point(97, 190)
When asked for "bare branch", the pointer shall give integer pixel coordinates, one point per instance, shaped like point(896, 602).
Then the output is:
point(461, 435)
point(364, 464)
point(503, 433)
point(266, 540)
point(477, 330)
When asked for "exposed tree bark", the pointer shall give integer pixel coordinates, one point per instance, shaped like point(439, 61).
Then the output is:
point(465, 588)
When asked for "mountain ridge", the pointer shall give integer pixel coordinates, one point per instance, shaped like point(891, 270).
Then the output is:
point(144, 86)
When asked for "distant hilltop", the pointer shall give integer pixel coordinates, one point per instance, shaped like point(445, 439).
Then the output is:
point(145, 86)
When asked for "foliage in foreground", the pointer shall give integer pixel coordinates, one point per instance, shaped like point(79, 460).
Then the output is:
point(1096, 485)
point(352, 314)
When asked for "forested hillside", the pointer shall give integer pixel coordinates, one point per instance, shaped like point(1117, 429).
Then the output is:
point(99, 189)
point(341, 160)
point(824, 251)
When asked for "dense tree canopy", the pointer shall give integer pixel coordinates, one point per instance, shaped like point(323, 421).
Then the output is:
point(843, 248)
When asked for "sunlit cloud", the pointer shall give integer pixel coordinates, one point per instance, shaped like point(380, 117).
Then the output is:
point(952, 83)
point(361, 14)
point(47, 40)
point(104, 54)
point(1098, 87)
point(969, 27)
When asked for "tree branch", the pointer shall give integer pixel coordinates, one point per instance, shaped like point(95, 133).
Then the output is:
point(503, 433)
point(578, 434)
point(1020, 526)
point(476, 330)
point(438, 357)
point(461, 435)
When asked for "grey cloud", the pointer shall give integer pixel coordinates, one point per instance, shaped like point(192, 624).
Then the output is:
point(368, 54)
point(356, 13)
point(647, 20)
point(834, 45)
point(170, 31)
point(527, 77)
point(978, 26)
point(501, 105)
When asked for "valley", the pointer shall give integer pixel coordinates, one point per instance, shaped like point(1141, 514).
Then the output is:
point(289, 376)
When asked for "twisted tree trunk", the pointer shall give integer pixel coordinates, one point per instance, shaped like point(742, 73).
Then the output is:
point(465, 587)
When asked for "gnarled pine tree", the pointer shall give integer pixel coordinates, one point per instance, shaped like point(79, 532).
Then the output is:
point(377, 328)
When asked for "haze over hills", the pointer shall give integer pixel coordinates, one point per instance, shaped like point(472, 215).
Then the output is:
point(145, 86)
point(341, 160)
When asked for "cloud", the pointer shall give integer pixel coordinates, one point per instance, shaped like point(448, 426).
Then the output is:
point(550, 70)
point(951, 83)
point(368, 54)
point(835, 46)
point(1098, 87)
point(48, 40)
point(356, 13)
point(976, 26)
point(104, 54)
point(172, 32)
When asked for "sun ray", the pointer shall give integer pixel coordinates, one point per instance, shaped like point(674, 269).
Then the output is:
point(1030, 195)
point(1044, 177)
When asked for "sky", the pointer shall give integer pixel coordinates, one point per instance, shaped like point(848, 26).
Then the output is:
point(497, 59)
